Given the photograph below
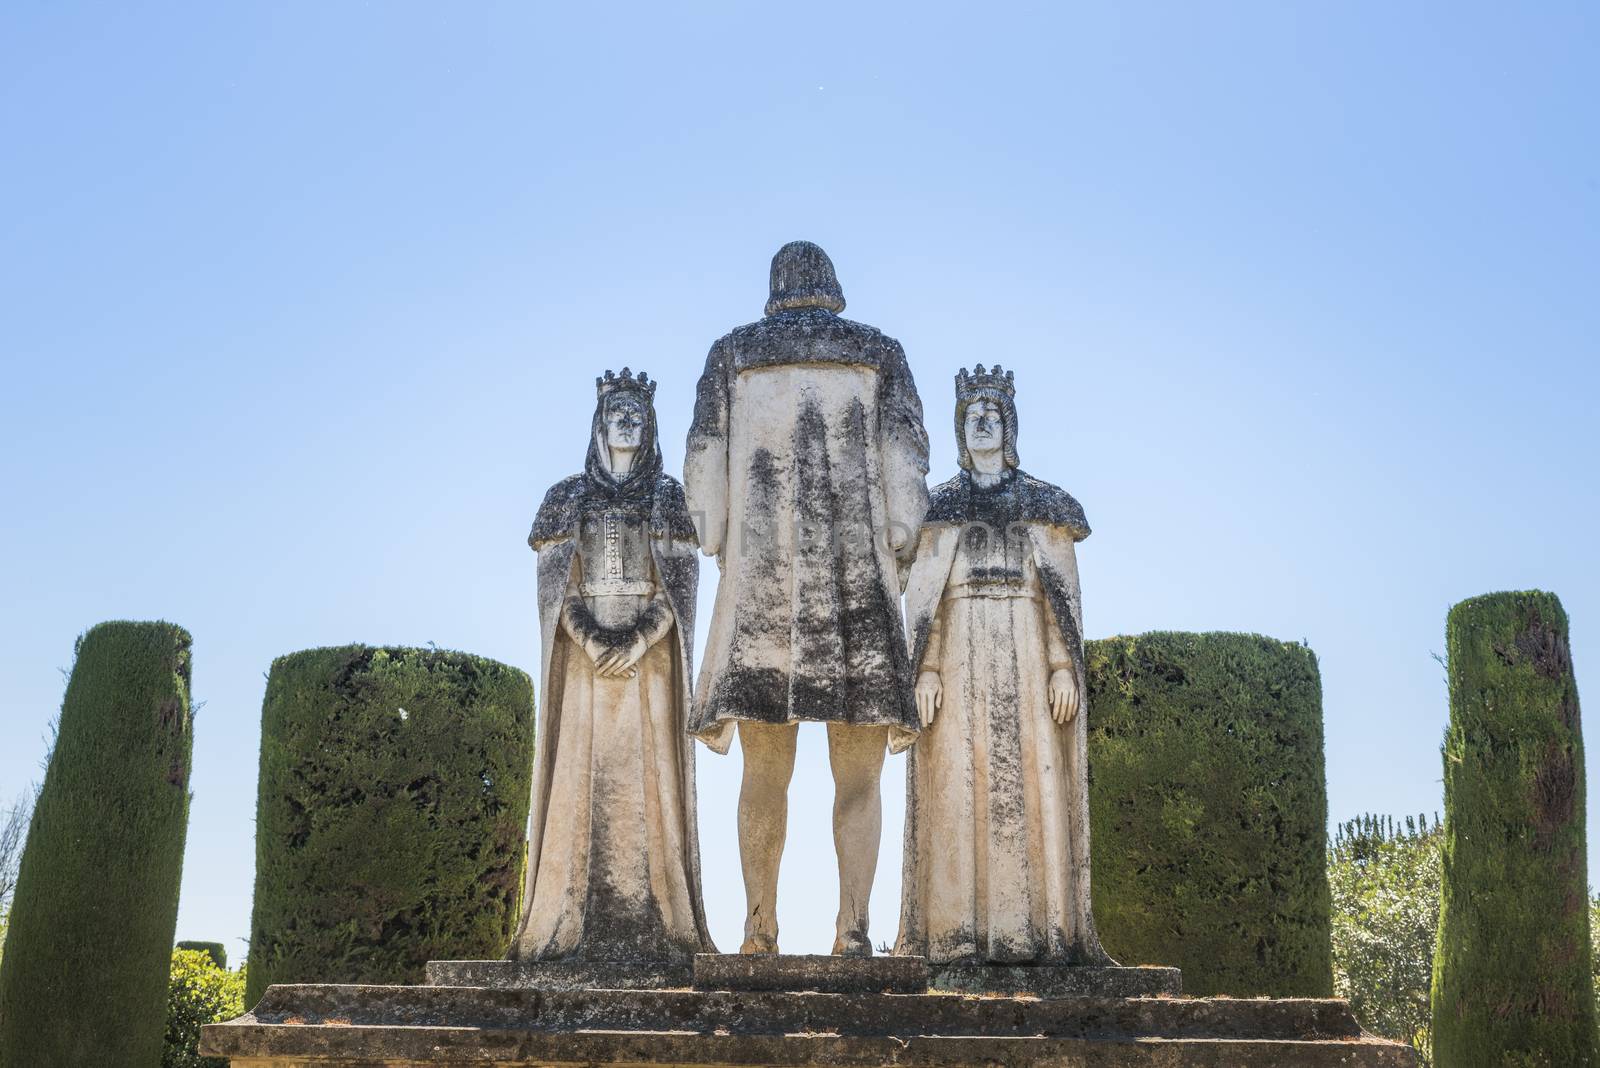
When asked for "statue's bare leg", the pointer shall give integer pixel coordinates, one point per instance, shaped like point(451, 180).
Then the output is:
point(768, 750)
point(856, 755)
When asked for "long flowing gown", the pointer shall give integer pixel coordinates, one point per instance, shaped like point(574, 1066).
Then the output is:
point(996, 857)
point(613, 867)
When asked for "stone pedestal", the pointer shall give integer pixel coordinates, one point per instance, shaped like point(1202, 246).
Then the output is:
point(782, 1011)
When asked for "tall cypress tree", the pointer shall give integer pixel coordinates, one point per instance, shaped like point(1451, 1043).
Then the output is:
point(1511, 979)
point(84, 977)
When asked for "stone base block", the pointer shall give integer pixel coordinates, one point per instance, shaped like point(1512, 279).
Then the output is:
point(814, 973)
point(463, 1027)
point(558, 975)
point(1047, 981)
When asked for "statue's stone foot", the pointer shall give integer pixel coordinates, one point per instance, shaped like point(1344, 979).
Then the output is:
point(759, 944)
point(852, 944)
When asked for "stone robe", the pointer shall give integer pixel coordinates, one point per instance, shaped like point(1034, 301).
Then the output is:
point(613, 853)
point(807, 446)
point(997, 819)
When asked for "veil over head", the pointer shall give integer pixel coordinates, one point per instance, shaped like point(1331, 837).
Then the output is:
point(640, 481)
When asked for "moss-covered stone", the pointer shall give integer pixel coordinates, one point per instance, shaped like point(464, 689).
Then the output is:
point(1511, 975)
point(390, 816)
point(1208, 807)
point(84, 978)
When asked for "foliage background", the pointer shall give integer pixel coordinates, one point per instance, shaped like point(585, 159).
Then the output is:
point(99, 875)
point(1511, 981)
point(1384, 878)
point(199, 992)
point(394, 790)
point(1209, 810)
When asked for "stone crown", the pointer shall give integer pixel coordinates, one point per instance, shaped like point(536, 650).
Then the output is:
point(625, 382)
point(981, 382)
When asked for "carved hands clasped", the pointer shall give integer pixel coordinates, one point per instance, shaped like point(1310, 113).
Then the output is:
point(615, 658)
point(616, 650)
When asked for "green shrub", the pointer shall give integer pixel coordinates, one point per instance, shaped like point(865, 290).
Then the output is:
point(214, 950)
point(390, 817)
point(1385, 883)
point(199, 992)
point(1594, 943)
point(1209, 810)
point(84, 976)
point(1512, 980)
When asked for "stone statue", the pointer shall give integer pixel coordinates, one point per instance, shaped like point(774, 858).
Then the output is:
point(613, 854)
point(806, 471)
point(997, 807)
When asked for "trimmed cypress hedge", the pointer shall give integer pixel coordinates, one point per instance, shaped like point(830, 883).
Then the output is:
point(214, 950)
point(84, 977)
point(390, 815)
point(1209, 811)
point(1511, 981)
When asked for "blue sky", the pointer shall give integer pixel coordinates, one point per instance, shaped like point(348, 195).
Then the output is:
point(301, 306)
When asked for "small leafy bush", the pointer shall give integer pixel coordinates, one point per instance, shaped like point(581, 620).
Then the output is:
point(1385, 882)
point(198, 993)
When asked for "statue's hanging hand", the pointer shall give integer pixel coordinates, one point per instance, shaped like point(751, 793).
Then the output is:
point(1063, 694)
point(930, 696)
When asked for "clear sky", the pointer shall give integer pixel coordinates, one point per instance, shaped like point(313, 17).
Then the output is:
point(301, 306)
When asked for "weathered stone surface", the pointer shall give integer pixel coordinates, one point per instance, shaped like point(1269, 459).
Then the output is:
point(559, 974)
point(803, 972)
point(367, 1026)
point(996, 863)
point(1045, 981)
point(613, 870)
point(805, 470)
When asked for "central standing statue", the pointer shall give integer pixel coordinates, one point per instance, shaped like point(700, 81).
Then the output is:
point(806, 472)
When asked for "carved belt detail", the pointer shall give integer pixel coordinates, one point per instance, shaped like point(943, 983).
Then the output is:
point(991, 588)
point(617, 587)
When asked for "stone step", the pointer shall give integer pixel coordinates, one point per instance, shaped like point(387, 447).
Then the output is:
point(1047, 981)
point(331, 1026)
point(817, 973)
point(559, 975)
point(788, 1013)
point(357, 1046)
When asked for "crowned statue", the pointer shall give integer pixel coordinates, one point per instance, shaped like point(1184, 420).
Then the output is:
point(997, 811)
point(613, 870)
point(806, 471)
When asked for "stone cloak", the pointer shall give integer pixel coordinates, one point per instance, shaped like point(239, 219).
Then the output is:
point(807, 448)
point(675, 555)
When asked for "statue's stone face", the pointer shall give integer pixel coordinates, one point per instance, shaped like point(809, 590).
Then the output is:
point(624, 426)
point(984, 427)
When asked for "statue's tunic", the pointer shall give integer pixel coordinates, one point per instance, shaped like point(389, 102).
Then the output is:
point(807, 447)
point(996, 838)
point(613, 860)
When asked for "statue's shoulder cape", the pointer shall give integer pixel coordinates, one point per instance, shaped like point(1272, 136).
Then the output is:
point(807, 336)
point(1023, 499)
point(557, 517)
